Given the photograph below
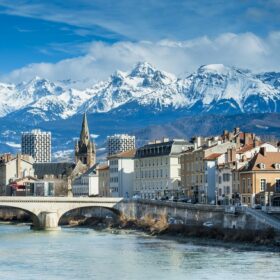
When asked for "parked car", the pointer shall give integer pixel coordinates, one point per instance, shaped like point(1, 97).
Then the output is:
point(257, 206)
point(164, 198)
point(183, 199)
point(208, 224)
point(174, 199)
point(136, 196)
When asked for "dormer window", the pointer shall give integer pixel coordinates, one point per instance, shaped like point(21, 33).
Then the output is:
point(262, 165)
point(277, 165)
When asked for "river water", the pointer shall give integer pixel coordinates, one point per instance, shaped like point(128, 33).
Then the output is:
point(78, 253)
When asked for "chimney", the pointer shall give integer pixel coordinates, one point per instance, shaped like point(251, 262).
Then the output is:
point(231, 155)
point(247, 137)
point(263, 151)
point(255, 143)
point(236, 130)
point(237, 141)
point(198, 141)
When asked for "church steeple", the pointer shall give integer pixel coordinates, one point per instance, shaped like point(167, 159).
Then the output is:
point(85, 149)
point(85, 136)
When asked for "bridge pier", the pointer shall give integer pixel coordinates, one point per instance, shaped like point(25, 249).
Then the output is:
point(47, 221)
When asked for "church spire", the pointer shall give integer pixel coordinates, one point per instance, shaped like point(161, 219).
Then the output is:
point(84, 136)
point(85, 149)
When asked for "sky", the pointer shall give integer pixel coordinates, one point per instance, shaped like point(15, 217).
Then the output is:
point(90, 39)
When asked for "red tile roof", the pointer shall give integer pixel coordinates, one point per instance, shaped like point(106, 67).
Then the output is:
point(212, 156)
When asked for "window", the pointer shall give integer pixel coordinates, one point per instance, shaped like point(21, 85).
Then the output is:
point(262, 165)
point(263, 185)
point(277, 185)
point(226, 177)
point(249, 185)
point(243, 185)
point(227, 190)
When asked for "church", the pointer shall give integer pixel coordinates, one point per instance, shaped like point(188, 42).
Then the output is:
point(85, 150)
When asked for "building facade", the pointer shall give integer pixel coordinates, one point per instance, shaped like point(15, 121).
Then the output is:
point(260, 179)
point(157, 169)
point(86, 184)
point(104, 179)
point(193, 169)
point(15, 167)
point(121, 173)
point(37, 144)
point(85, 149)
point(120, 143)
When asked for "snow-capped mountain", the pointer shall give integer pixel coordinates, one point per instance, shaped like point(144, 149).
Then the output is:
point(211, 89)
point(128, 102)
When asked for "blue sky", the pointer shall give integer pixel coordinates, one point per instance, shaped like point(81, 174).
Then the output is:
point(90, 39)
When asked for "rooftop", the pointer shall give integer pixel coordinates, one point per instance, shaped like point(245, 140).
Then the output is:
point(126, 154)
point(212, 156)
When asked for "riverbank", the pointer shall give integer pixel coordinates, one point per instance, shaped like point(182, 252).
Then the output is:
point(261, 240)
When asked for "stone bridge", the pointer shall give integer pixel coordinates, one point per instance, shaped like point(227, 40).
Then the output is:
point(47, 211)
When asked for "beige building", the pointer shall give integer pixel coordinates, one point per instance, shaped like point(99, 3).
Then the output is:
point(260, 179)
point(157, 169)
point(14, 167)
point(103, 179)
point(194, 164)
point(193, 169)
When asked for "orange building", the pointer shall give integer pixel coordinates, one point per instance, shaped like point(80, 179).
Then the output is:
point(260, 179)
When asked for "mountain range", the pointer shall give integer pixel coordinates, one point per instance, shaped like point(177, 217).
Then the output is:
point(145, 101)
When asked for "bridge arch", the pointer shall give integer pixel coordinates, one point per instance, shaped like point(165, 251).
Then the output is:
point(35, 219)
point(63, 214)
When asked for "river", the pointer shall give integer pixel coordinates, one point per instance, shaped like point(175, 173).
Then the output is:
point(79, 253)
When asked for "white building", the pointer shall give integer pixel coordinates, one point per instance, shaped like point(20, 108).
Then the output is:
point(210, 169)
point(87, 184)
point(157, 169)
point(121, 173)
point(120, 143)
point(37, 143)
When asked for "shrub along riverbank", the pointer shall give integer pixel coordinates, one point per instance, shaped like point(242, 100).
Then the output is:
point(161, 228)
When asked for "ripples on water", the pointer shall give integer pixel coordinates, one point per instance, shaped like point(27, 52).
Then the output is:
point(87, 254)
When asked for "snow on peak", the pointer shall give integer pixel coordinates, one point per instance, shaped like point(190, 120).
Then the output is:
point(142, 69)
point(215, 86)
point(215, 69)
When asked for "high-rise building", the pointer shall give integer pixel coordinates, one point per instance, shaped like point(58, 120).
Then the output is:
point(37, 143)
point(120, 143)
point(85, 149)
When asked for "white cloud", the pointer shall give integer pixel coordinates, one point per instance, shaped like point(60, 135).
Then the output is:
point(100, 59)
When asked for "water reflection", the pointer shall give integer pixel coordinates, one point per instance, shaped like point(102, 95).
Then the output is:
point(79, 253)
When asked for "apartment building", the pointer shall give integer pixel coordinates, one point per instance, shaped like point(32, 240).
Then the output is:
point(194, 172)
point(120, 143)
point(37, 144)
point(260, 179)
point(157, 168)
point(86, 184)
point(121, 172)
